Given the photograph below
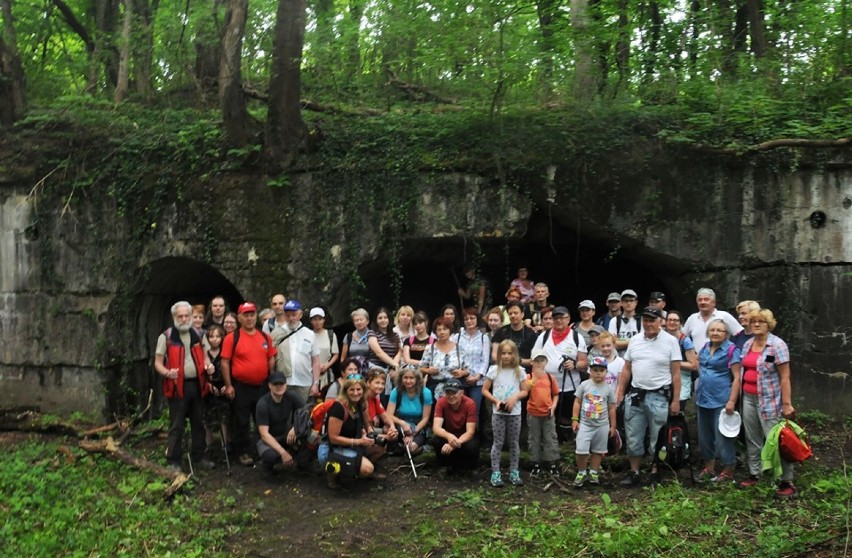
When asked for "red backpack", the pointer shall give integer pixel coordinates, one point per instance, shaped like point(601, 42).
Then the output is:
point(794, 447)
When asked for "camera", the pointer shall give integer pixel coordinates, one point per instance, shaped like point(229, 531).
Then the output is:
point(380, 440)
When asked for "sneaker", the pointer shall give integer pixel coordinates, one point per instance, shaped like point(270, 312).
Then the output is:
point(536, 471)
point(786, 489)
point(247, 460)
point(751, 481)
point(497, 479)
point(632, 479)
point(705, 475)
point(580, 479)
point(723, 478)
point(515, 478)
point(594, 478)
point(554, 470)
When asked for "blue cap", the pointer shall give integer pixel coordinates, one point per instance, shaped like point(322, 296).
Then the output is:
point(292, 305)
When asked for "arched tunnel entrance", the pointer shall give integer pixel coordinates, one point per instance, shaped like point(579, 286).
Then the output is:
point(159, 284)
point(575, 266)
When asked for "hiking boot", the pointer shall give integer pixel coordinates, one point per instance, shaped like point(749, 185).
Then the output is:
point(785, 490)
point(554, 470)
point(331, 480)
point(497, 480)
point(515, 478)
point(751, 481)
point(632, 479)
point(723, 478)
point(580, 479)
point(536, 471)
point(704, 476)
point(594, 478)
point(247, 460)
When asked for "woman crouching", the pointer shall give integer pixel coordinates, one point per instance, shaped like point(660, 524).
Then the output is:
point(346, 425)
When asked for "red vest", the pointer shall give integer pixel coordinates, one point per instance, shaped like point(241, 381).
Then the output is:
point(175, 358)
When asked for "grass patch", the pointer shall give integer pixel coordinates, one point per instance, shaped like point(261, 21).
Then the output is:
point(673, 520)
point(58, 505)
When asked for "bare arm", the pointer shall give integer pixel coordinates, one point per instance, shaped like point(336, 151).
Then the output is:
point(737, 373)
point(624, 381)
point(787, 409)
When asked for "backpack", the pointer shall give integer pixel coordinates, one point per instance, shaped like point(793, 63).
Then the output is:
point(793, 443)
point(620, 320)
point(673, 443)
point(303, 424)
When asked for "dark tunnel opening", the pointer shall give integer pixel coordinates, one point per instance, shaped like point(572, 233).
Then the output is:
point(575, 267)
point(160, 284)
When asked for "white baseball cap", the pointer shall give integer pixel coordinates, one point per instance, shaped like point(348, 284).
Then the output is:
point(317, 311)
point(729, 425)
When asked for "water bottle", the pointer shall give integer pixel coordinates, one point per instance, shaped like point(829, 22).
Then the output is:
point(663, 453)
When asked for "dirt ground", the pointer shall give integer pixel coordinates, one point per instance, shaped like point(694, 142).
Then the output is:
point(297, 512)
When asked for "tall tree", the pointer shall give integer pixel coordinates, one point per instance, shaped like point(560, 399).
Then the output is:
point(12, 97)
point(285, 129)
point(583, 86)
point(122, 85)
point(231, 96)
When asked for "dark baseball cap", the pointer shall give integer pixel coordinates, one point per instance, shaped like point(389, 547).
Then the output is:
point(453, 385)
point(651, 312)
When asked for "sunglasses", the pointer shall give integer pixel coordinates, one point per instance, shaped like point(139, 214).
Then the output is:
point(355, 377)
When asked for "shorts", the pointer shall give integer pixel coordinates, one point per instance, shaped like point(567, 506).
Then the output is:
point(592, 439)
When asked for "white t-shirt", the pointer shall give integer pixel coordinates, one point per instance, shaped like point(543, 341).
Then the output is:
point(504, 383)
point(554, 357)
point(300, 347)
point(613, 371)
point(651, 360)
point(696, 327)
point(629, 328)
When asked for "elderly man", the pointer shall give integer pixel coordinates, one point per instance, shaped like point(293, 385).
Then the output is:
point(454, 428)
point(248, 356)
point(183, 363)
point(696, 325)
point(649, 384)
point(298, 353)
point(566, 353)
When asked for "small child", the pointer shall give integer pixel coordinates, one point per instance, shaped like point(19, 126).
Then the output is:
point(606, 348)
point(505, 387)
point(541, 410)
point(593, 420)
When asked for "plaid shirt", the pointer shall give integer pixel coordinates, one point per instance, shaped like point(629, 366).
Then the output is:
point(768, 380)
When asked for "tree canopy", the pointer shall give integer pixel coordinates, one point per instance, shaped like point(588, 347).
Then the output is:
point(762, 61)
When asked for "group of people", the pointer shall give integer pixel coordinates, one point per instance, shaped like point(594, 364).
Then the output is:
point(399, 382)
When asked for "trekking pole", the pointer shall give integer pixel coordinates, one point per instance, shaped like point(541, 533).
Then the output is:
point(225, 448)
point(410, 459)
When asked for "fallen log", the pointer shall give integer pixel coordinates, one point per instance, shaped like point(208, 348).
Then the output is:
point(112, 450)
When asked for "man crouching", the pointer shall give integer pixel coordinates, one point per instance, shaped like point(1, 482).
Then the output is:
point(274, 416)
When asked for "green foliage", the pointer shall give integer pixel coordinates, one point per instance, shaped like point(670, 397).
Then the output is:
point(671, 520)
point(87, 506)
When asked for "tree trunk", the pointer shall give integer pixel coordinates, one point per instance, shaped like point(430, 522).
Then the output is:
point(106, 15)
point(547, 13)
point(757, 28)
point(654, 41)
point(622, 45)
point(583, 86)
point(323, 44)
point(231, 97)
point(122, 85)
point(285, 129)
point(143, 47)
point(352, 35)
point(12, 98)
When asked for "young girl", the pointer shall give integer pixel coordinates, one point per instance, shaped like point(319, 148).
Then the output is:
point(216, 404)
point(504, 387)
point(414, 345)
point(410, 407)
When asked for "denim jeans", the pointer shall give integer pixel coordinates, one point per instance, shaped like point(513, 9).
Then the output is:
point(714, 444)
point(652, 412)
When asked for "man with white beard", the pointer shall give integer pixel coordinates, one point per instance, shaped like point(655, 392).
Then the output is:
point(183, 363)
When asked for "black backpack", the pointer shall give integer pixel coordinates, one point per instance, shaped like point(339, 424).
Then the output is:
point(673, 448)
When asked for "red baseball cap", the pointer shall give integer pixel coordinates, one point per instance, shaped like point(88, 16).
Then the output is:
point(246, 307)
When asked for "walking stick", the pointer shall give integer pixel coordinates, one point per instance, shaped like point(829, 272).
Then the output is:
point(410, 459)
point(225, 448)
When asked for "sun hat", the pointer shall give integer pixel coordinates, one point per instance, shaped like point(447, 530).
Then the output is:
point(729, 425)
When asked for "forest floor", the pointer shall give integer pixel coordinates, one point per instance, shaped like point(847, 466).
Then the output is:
point(297, 512)
point(443, 514)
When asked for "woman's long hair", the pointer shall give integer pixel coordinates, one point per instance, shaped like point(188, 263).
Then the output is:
point(418, 379)
point(389, 333)
point(343, 397)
